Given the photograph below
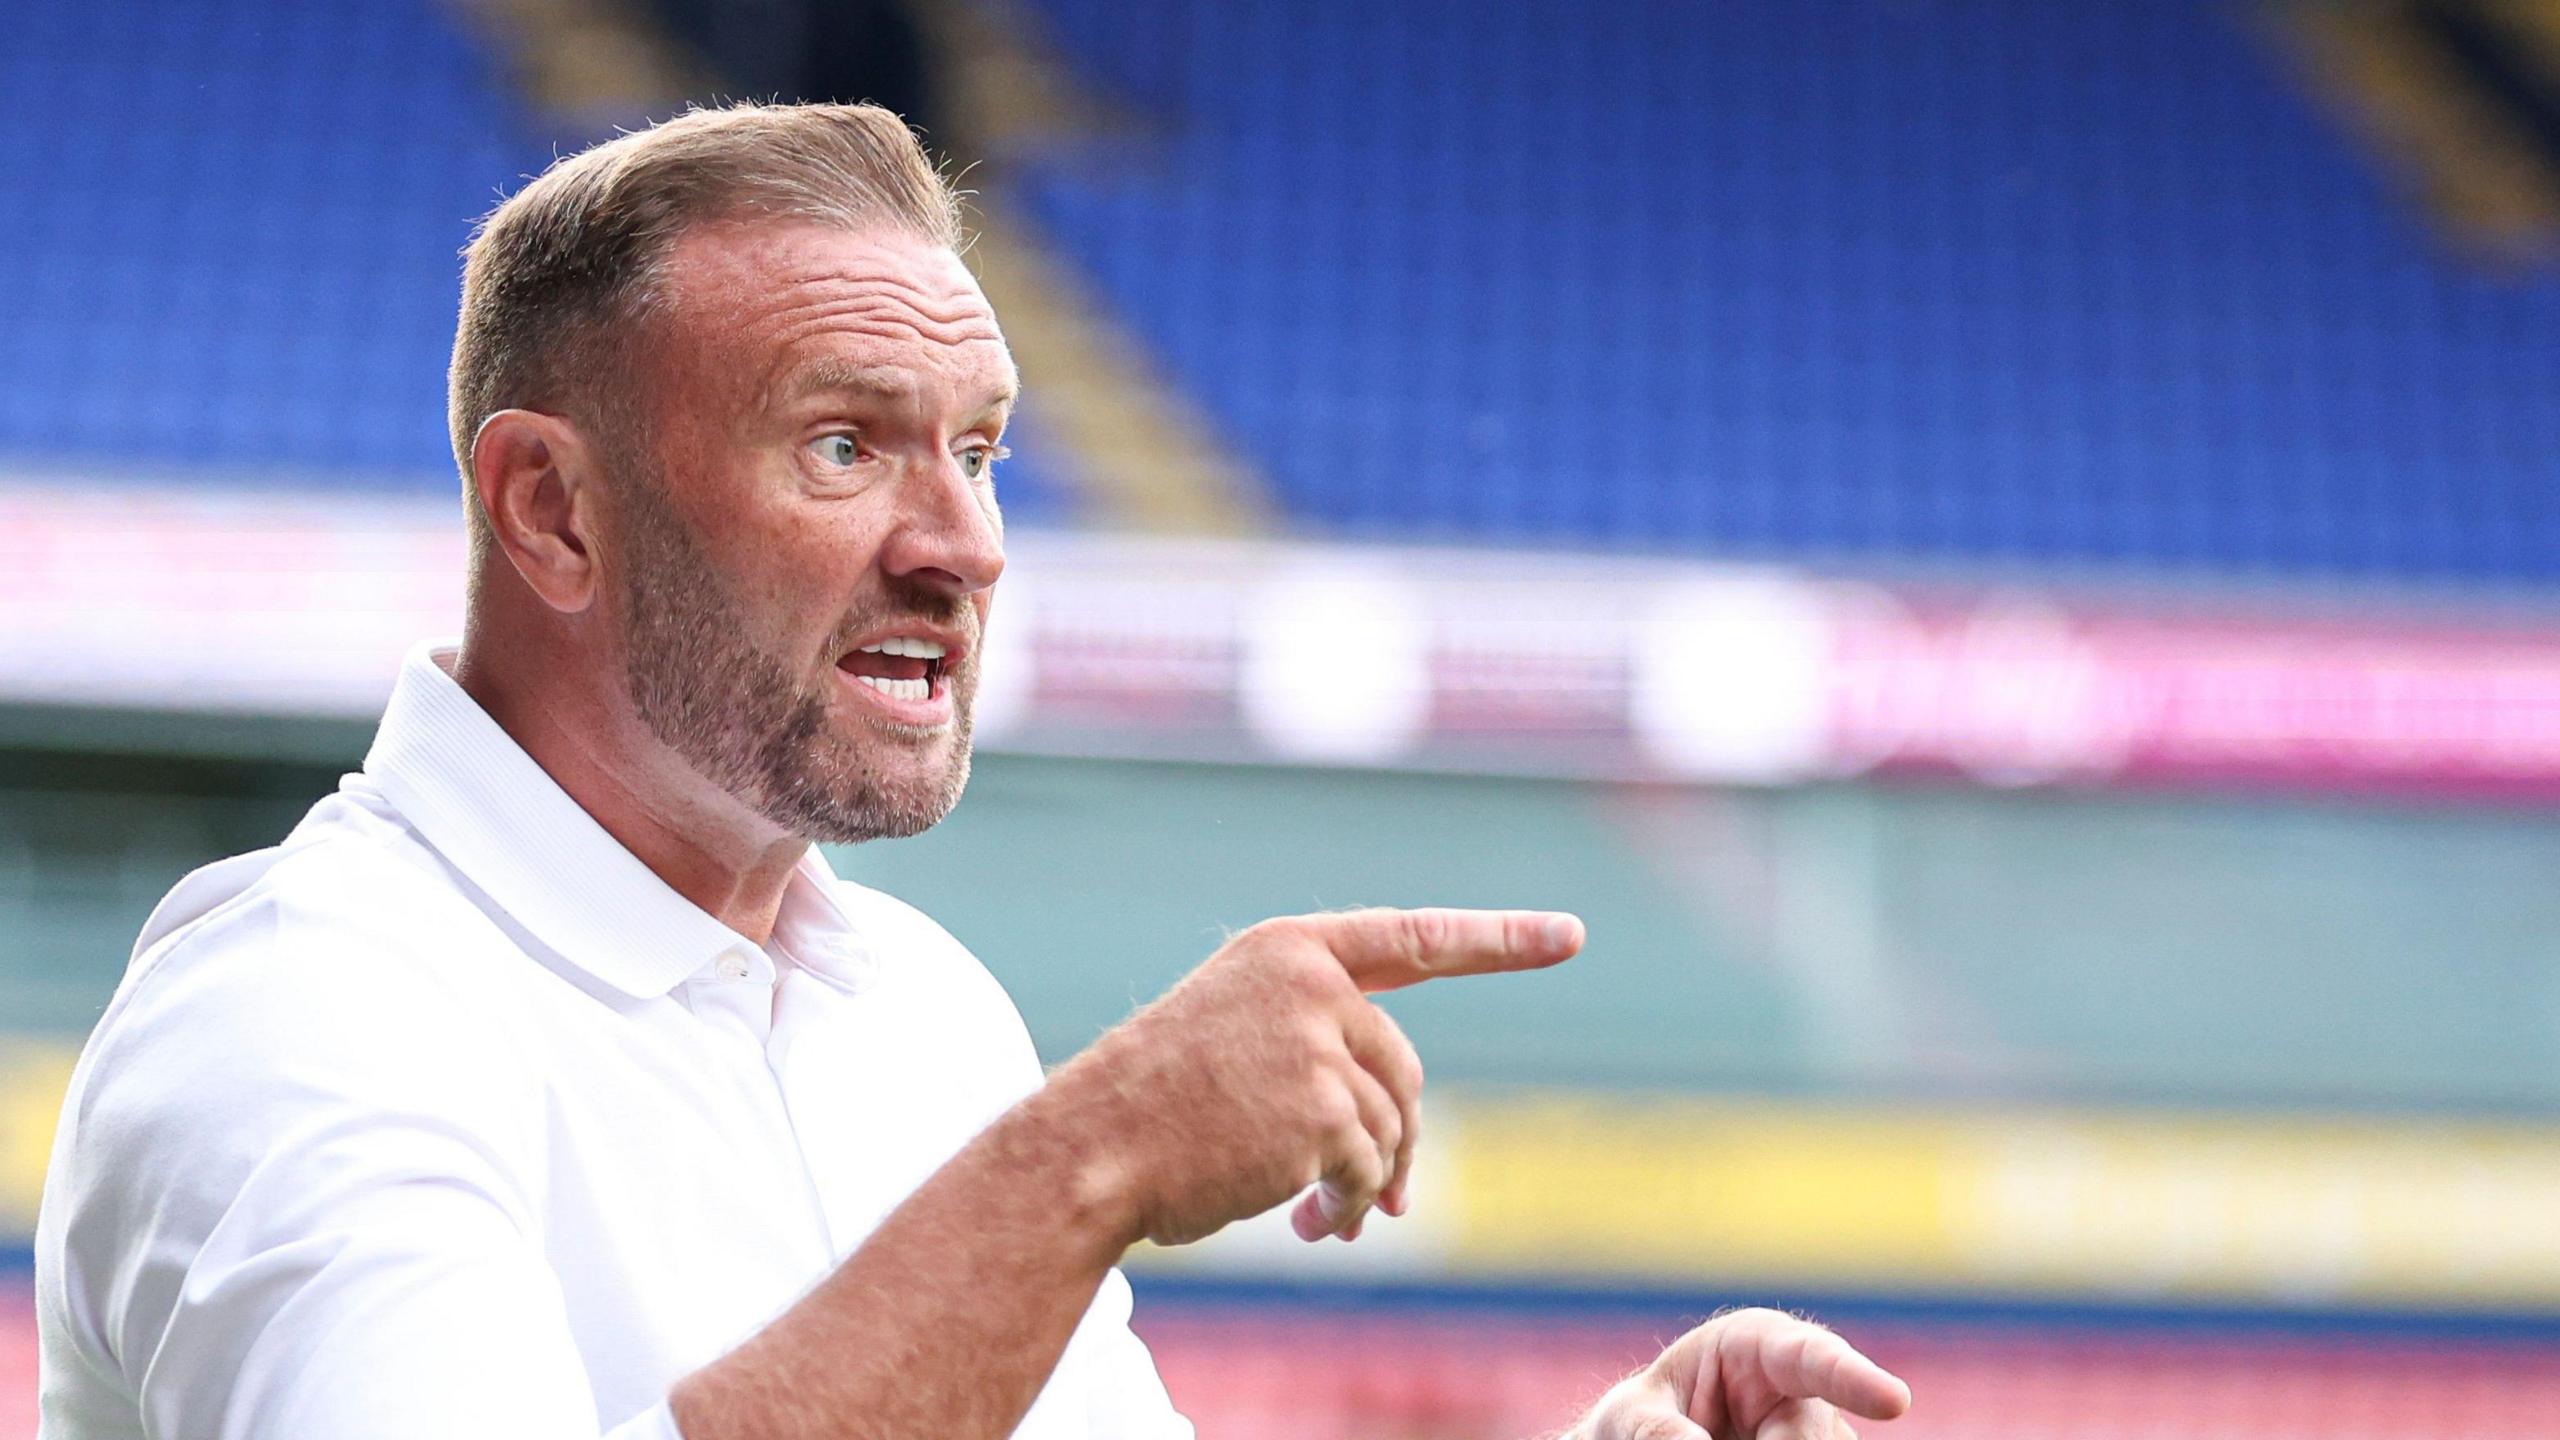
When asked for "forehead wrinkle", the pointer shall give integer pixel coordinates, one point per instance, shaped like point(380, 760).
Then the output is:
point(793, 321)
point(872, 320)
point(959, 307)
point(790, 382)
point(894, 329)
point(755, 305)
point(960, 300)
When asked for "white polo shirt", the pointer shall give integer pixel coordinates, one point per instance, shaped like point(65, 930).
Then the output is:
point(447, 1118)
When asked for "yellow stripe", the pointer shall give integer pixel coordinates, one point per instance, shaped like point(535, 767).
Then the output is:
point(1685, 1191)
point(33, 1075)
point(1574, 1184)
point(2265, 1209)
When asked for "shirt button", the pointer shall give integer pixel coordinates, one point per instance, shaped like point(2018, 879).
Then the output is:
point(732, 965)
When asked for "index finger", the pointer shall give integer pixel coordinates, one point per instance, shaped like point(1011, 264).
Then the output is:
point(1387, 949)
point(1826, 1367)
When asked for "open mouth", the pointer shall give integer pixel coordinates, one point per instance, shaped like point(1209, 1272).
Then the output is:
point(908, 668)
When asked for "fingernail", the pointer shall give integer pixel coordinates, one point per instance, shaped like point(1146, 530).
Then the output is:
point(1329, 1203)
point(1563, 932)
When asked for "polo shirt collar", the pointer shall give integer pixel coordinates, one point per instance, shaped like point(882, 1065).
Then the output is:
point(474, 794)
point(815, 929)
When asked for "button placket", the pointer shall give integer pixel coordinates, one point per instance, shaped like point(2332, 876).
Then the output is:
point(734, 994)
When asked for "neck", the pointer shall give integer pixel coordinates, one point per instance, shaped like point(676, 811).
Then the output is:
point(730, 862)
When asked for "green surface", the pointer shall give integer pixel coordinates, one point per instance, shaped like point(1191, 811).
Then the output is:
point(1088, 887)
point(1862, 940)
point(89, 842)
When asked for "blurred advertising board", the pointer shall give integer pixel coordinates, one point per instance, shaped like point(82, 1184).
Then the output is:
point(1698, 1195)
point(299, 603)
point(2311, 1212)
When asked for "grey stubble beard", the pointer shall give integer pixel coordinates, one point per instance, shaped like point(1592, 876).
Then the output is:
point(738, 715)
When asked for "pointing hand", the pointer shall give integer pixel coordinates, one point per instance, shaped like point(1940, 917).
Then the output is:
point(1268, 1069)
point(1749, 1375)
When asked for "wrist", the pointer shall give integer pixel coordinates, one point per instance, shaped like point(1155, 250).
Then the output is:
point(1076, 1155)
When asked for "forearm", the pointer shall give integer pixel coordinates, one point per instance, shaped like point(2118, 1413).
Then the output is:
point(949, 1319)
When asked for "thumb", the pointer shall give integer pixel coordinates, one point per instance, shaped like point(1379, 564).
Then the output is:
point(1803, 1420)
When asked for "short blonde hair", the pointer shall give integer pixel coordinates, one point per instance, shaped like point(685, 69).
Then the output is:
point(558, 277)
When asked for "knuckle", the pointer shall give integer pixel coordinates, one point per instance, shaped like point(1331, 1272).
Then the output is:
point(1302, 971)
point(1756, 1317)
point(1427, 933)
point(1318, 1044)
point(1364, 1177)
point(1276, 932)
point(1336, 1119)
point(1388, 1132)
point(1310, 1035)
point(1317, 976)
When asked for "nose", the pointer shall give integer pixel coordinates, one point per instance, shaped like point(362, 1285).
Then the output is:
point(950, 536)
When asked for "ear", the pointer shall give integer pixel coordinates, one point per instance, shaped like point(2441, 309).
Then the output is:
point(539, 485)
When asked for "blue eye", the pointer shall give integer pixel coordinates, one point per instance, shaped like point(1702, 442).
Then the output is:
point(977, 460)
point(837, 450)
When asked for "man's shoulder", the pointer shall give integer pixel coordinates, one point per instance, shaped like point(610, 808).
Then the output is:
point(286, 1008)
point(334, 940)
point(917, 944)
point(879, 913)
point(948, 1001)
point(272, 988)
point(345, 871)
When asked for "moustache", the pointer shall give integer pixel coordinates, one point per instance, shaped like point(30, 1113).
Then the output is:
point(958, 619)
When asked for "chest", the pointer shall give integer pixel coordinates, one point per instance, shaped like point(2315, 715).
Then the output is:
point(712, 1155)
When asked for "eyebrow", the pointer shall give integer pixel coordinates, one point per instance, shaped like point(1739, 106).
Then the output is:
point(881, 382)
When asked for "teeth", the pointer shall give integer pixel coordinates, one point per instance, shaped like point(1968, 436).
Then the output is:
point(916, 646)
point(899, 689)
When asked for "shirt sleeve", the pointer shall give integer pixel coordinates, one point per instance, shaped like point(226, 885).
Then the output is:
point(301, 1204)
point(1127, 1397)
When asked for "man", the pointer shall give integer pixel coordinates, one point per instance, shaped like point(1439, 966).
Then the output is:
point(544, 1082)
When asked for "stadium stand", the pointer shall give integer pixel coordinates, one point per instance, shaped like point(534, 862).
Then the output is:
point(235, 237)
point(1972, 284)
point(1873, 284)
point(235, 232)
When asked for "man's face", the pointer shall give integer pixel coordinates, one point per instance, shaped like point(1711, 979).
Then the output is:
point(809, 545)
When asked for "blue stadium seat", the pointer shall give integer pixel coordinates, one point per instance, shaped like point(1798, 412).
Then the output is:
point(230, 236)
point(2006, 283)
point(1986, 284)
